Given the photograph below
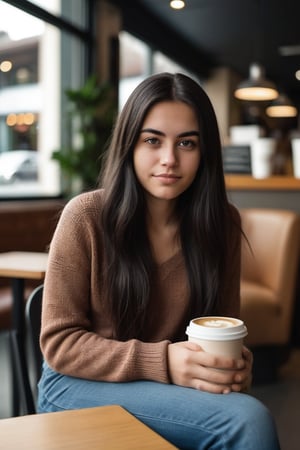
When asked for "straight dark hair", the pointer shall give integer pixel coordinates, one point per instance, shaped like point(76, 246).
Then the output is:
point(203, 211)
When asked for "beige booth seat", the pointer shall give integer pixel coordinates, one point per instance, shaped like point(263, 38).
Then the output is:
point(269, 273)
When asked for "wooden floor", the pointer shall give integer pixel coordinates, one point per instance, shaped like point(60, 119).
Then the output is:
point(282, 397)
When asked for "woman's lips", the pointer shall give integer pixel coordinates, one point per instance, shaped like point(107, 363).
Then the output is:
point(167, 178)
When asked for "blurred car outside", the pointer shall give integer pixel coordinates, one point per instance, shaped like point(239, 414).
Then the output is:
point(18, 165)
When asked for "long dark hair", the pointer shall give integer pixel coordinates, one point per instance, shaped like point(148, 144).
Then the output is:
point(202, 210)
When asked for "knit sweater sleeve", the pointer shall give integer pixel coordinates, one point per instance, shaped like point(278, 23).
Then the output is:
point(70, 341)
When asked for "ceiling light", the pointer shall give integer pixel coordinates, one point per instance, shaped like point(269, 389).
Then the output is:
point(5, 66)
point(177, 4)
point(282, 107)
point(256, 87)
point(297, 75)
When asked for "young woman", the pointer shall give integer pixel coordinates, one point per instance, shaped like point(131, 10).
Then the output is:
point(131, 263)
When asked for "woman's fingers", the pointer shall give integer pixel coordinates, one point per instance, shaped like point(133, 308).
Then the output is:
point(219, 362)
point(202, 385)
point(191, 367)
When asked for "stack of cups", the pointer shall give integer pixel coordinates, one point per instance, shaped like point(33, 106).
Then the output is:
point(296, 156)
point(218, 335)
point(262, 153)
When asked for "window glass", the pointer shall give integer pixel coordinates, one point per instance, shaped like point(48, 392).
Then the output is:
point(137, 61)
point(70, 10)
point(161, 63)
point(52, 6)
point(37, 63)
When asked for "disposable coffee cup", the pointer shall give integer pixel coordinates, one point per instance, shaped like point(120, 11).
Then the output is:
point(262, 151)
point(296, 157)
point(218, 335)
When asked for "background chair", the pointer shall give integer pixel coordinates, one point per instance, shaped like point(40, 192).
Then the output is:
point(268, 282)
point(33, 314)
point(27, 404)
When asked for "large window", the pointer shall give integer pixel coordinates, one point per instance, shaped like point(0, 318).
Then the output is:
point(45, 49)
point(137, 61)
point(41, 55)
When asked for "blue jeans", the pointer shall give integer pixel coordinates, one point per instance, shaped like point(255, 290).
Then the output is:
point(188, 418)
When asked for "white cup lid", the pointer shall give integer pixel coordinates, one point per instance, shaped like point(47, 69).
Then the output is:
point(215, 331)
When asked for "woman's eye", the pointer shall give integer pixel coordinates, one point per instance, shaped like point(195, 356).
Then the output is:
point(187, 144)
point(152, 141)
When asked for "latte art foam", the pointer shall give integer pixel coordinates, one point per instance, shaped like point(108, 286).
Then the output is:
point(219, 323)
point(216, 328)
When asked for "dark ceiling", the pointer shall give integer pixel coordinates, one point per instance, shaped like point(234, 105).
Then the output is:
point(233, 33)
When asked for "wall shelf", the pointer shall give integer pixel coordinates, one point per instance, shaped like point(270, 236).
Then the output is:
point(274, 183)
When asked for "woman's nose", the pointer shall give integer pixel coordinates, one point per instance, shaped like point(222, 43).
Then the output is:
point(168, 156)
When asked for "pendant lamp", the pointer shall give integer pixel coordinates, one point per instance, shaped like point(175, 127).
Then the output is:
point(177, 4)
point(281, 107)
point(256, 87)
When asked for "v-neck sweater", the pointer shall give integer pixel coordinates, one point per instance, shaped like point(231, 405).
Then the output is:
point(77, 334)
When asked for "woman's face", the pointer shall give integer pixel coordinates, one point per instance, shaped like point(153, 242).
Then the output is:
point(167, 155)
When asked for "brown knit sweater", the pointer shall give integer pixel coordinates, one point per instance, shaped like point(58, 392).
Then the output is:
point(77, 337)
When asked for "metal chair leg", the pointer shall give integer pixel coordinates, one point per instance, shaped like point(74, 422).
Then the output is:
point(21, 374)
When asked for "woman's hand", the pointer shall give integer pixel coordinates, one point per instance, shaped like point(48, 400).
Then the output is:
point(245, 384)
point(190, 366)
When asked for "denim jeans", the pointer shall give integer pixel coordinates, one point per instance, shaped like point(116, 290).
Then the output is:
point(188, 418)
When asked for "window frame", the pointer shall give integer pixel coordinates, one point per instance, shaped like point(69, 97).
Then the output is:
point(86, 38)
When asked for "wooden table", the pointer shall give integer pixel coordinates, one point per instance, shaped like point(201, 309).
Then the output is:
point(20, 266)
point(31, 265)
point(107, 428)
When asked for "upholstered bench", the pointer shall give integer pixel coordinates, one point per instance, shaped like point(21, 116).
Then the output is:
point(270, 266)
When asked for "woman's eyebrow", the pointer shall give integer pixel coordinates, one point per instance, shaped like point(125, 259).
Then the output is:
point(152, 130)
point(160, 133)
point(189, 133)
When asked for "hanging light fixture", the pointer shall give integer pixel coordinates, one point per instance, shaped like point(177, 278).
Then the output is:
point(177, 4)
point(281, 107)
point(256, 87)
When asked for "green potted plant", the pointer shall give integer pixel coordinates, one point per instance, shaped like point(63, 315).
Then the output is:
point(92, 110)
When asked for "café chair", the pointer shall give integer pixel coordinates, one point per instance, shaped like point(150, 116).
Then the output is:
point(27, 403)
point(6, 327)
point(270, 261)
point(33, 314)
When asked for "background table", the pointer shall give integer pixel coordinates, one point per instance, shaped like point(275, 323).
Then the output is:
point(107, 428)
point(20, 266)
